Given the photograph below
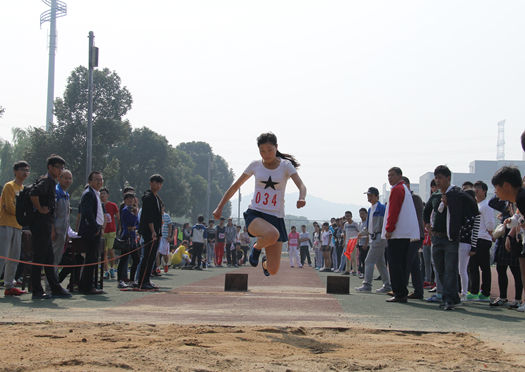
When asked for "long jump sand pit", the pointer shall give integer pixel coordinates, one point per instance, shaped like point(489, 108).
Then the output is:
point(85, 346)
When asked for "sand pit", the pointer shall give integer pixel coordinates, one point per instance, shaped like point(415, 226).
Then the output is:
point(63, 346)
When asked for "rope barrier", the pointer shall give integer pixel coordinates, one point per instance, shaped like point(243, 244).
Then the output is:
point(74, 266)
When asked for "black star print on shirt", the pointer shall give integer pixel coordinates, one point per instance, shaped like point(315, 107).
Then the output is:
point(270, 183)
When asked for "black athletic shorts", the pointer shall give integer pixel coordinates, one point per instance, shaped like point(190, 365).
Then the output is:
point(277, 222)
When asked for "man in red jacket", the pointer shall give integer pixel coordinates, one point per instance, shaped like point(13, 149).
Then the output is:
point(399, 227)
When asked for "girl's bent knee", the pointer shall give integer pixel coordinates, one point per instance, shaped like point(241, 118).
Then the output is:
point(274, 236)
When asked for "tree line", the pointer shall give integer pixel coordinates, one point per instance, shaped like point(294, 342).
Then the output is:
point(125, 155)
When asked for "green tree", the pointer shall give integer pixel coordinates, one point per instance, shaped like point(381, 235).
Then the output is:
point(124, 155)
point(34, 145)
point(6, 161)
point(10, 152)
point(147, 153)
point(221, 177)
point(111, 102)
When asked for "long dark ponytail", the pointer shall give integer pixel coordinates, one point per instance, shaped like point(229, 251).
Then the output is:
point(272, 138)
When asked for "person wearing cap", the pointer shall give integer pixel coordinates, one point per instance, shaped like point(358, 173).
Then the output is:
point(377, 245)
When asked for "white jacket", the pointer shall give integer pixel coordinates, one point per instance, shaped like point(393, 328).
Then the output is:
point(407, 226)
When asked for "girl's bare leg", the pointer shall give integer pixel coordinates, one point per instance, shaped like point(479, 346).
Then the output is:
point(273, 256)
point(267, 235)
point(327, 260)
point(354, 259)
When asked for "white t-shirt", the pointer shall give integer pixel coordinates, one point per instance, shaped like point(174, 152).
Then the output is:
point(325, 237)
point(270, 185)
point(487, 222)
point(304, 235)
point(351, 230)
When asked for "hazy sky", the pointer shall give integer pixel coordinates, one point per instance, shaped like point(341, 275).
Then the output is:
point(351, 88)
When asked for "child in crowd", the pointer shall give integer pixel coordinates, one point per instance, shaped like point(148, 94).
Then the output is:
point(129, 223)
point(293, 248)
point(198, 236)
point(316, 238)
point(181, 257)
point(112, 220)
point(304, 246)
point(351, 231)
point(245, 244)
point(238, 252)
point(164, 245)
point(362, 243)
point(326, 237)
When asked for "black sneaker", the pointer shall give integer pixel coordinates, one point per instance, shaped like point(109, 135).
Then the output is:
point(254, 257)
point(448, 306)
point(61, 293)
point(266, 273)
point(147, 286)
point(40, 296)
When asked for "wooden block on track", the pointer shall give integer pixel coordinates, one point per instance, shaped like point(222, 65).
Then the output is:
point(236, 282)
point(338, 284)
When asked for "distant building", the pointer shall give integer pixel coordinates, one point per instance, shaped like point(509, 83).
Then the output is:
point(479, 170)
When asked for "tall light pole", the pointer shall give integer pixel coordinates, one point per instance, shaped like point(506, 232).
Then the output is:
point(57, 9)
point(239, 208)
point(208, 188)
point(93, 62)
point(500, 155)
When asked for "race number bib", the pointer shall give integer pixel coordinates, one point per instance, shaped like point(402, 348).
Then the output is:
point(108, 218)
point(293, 242)
point(267, 199)
point(221, 235)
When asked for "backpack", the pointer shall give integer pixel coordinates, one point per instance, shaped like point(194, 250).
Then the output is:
point(25, 212)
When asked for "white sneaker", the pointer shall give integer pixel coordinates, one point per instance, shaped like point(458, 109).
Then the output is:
point(122, 284)
point(383, 289)
point(463, 298)
point(363, 288)
point(521, 309)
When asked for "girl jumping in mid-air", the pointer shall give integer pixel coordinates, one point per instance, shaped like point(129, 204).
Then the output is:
point(265, 215)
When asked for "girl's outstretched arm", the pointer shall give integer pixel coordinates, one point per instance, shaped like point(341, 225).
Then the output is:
point(229, 194)
point(302, 190)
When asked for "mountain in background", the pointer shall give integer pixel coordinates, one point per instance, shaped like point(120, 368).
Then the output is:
point(316, 209)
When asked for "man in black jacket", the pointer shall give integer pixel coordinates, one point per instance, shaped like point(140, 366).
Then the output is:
point(90, 229)
point(508, 185)
point(449, 216)
point(150, 228)
point(43, 196)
